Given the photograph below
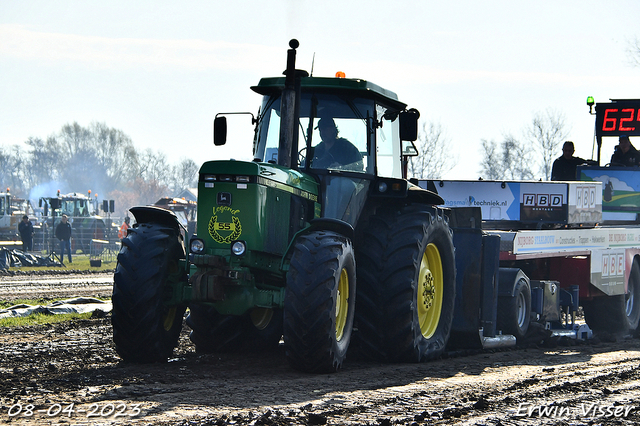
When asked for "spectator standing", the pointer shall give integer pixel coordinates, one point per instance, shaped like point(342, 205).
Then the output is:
point(26, 233)
point(625, 154)
point(63, 233)
point(564, 168)
point(122, 232)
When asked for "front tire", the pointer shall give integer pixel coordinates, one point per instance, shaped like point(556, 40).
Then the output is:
point(319, 302)
point(145, 329)
point(407, 285)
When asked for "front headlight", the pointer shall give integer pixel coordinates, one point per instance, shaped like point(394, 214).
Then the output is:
point(238, 248)
point(196, 246)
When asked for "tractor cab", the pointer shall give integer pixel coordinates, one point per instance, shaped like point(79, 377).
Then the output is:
point(348, 133)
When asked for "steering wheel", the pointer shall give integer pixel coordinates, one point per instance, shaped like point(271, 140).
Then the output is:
point(302, 156)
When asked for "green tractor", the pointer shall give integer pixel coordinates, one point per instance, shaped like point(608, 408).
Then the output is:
point(282, 240)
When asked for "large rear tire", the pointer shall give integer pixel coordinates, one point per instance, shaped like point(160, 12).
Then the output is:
point(144, 328)
point(407, 285)
point(259, 330)
point(616, 314)
point(319, 302)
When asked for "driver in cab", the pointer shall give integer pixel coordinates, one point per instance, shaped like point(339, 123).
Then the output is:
point(335, 152)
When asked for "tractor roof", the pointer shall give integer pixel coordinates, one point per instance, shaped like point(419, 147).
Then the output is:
point(363, 88)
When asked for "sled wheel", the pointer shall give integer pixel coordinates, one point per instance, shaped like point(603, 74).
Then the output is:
point(144, 329)
point(407, 285)
point(606, 314)
point(514, 312)
point(632, 298)
point(616, 314)
point(259, 330)
point(319, 302)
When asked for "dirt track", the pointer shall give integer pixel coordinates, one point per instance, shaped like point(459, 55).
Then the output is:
point(70, 374)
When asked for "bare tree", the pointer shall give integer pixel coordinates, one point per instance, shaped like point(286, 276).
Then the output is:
point(116, 152)
point(185, 175)
point(97, 158)
point(44, 161)
point(516, 159)
point(547, 131)
point(6, 168)
point(510, 161)
point(13, 170)
point(490, 160)
point(153, 167)
point(634, 52)
point(150, 191)
point(434, 157)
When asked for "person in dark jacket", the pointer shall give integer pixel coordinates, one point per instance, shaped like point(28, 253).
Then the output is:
point(564, 168)
point(63, 233)
point(26, 233)
point(335, 152)
point(625, 154)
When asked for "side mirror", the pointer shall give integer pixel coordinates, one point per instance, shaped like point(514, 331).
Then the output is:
point(409, 149)
point(54, 203)
point(220, 131)
point(409, 125)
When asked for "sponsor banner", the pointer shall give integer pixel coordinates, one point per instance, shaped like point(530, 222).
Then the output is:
point(555, 202)
point(553, 240)
point(497, 200)
point(546, 202)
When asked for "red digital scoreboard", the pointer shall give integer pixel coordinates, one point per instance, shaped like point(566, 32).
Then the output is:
point(619, 117)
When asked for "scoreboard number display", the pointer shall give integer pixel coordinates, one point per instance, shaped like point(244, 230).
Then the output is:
point(619, 117)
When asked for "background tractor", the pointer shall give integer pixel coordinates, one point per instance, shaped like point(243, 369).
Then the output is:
point(86, 224)
point(295, 246)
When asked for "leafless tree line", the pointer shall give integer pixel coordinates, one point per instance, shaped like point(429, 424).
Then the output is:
point(530, 156)
point(527, 157)
point(97, 158)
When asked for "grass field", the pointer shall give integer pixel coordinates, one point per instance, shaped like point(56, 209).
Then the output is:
point(37, 319)
point(80, 262)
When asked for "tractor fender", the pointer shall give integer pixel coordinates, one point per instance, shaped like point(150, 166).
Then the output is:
point(320, 224)
point(148, 214)
point(421, 195)
point(335, 225)
point(508, 279)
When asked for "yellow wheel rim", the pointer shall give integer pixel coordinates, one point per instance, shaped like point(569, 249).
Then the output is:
point(342, 304)
point(430, 289)
point(169, 319)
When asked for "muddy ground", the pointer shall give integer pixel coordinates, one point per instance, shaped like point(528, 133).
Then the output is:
point(70, 374)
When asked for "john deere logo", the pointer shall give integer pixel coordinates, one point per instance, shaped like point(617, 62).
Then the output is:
point(224, 225)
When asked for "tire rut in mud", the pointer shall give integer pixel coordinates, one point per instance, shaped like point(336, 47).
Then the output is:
point(75, 362)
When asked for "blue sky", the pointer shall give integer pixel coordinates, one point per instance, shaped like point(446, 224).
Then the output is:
point(160, 71)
